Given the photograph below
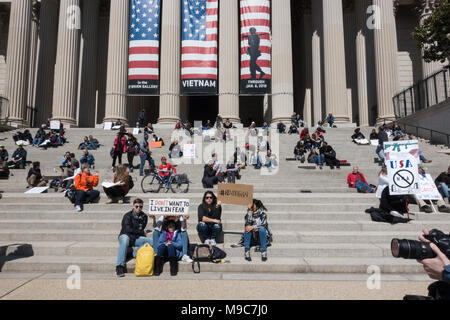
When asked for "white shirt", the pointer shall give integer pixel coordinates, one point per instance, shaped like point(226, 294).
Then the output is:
point(383, 182)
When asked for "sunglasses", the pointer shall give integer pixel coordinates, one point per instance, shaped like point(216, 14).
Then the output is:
point(209, 198)
point(138, 207)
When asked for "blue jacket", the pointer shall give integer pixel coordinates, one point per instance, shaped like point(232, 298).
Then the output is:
point(176, 241)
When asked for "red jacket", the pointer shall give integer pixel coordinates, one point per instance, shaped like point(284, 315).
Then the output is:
point(351, 179)
point(303, 134)
point(167, 167)
point(124, 145)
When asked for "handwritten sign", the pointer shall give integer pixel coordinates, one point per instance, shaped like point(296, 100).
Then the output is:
point(55, 124)
point(428, 190)
point(155, 144)
point(169, 207)
point(189, 151)
point(37, 190)
point(136, 131)
point(238, 194)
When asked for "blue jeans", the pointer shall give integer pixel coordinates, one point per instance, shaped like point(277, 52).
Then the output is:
point(398, 131)
point(258, 162)
point(165, 180)
point(361, 186)
point(444, 189)
point(88, 161)
point(167, 251)
point(143, 159)
point(184, 238)
point(319, 159)
point(378, 152)
point(422, 158)
point(82, 197)
point(209, 230)
point(37, 141)
point(124, 243)
point(248, 238)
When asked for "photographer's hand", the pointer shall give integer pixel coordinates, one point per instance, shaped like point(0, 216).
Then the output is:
point(435, 267)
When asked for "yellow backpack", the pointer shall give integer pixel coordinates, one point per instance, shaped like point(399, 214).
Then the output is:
point(145, 259)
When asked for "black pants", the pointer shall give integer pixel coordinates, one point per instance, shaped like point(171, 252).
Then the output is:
point(114, 192)
point(117, 154)
point(130, 156)
point(332, 162)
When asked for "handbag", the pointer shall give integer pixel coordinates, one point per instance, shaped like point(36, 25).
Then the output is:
point(205, 253)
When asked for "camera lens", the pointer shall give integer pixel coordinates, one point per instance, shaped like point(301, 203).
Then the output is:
point(411, 249)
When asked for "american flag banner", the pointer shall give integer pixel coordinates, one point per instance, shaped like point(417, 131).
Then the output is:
point(256, 52)
point(199, 46)
point(143, 61)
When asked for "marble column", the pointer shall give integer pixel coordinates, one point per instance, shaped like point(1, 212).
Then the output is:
point(18, 54)
point(386, 65)
point(361, 59)
point(34, 40)
point(117, 74)
point(169, 102)
point(334, 60)
point(88, 62)
point(282, 67)
point(67, 63)
point(316, 11)
point(229, 60)
point(46, 60)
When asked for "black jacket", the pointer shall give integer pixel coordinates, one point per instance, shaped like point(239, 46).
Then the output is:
point(203, 211)
point(134, 227)
point(35, 172)
point(4, 155)
point(444, 177)
point(20, 153)
point(390, 203)
point(382, 137)
point(328, 152)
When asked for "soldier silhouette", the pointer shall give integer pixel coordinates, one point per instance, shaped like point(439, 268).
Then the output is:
point(254, 53)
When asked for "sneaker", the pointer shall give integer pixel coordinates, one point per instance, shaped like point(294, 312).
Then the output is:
point(396, 214)
point(207, 241)
point(237, 245)
point(120, 201)
point(427, 209)
point(264, 256)
point(257, 249)
point(120, 271)
point(444, 209)
point(212, 242)
point(247, 255)
point(186, 259)
point(109, 201)
point(78, 209)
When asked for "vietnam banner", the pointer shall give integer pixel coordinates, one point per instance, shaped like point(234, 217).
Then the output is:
point(256, 53)
point(143, 61)
point(199, 46)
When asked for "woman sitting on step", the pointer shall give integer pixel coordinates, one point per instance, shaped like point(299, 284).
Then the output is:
point(256, 229)
point(117, 193)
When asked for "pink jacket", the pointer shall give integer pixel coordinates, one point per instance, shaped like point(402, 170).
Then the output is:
point(124, 145)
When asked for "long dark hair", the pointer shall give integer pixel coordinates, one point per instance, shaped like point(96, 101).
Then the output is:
point(259, 205)
point(213, 204)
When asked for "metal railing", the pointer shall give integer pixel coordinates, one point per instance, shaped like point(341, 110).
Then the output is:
point(436, 137)
point(424, 94)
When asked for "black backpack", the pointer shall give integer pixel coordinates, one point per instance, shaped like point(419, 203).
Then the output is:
point(130, 182)
point(70, 193)
point(205, 253)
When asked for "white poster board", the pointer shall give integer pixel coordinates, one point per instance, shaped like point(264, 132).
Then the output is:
point(402, 162)
point(37, 190)
point(374, 143)
point(55, 124)
point(168, 207)
point(135, 131)
point(198, 124)
point(108, 126)
point(189, 151)
point(428, 190)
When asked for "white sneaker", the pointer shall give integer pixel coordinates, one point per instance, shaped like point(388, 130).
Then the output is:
point(78, 209)
point(396, 214)
point(212, 242)
point(207, 241)
point(186, 259)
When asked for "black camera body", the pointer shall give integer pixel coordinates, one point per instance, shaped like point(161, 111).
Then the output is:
point(411, 249)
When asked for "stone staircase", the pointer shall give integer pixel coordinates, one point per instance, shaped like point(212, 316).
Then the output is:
point(319, 225)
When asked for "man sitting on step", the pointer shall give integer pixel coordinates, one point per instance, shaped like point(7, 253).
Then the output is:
point(19, 158)
point(84, 184)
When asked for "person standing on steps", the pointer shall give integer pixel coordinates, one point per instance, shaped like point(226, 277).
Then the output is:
point(145, 154)
point(120, 147)
point(256, 229)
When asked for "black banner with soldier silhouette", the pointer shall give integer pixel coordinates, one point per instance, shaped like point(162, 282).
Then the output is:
point(256, 53)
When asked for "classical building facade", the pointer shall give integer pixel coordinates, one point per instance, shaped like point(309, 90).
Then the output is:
point(346, 57)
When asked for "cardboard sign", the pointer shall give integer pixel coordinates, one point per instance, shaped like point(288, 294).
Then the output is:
point(168, 207)
point(238, 194)
point(428, 190)
point(37, 190)
point(155, 144)
point(189, 151)
point(107, 126)
point(402, 162)
point(55, 124)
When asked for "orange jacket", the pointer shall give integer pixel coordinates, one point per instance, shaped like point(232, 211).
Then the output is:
point(85, 182)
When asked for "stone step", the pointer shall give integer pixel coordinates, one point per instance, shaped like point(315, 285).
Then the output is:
point(236, 264)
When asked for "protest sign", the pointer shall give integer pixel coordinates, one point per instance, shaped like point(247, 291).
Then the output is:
point(107, 126)
point(189, 151)
point(402, 161)
point(135, 131)
point(374, 143)
point(155, 144)
point(168, 207)
point(37, 190)
point(428, 190)
point(55, 124)
point(238, 194)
